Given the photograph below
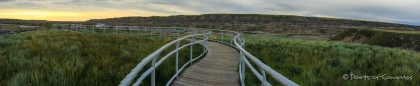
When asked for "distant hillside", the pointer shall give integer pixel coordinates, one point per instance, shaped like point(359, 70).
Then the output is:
point(250, 22)
point(288, 26)
point(388, 38)
point(43, 23)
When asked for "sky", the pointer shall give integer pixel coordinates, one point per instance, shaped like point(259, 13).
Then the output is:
point(393, 11)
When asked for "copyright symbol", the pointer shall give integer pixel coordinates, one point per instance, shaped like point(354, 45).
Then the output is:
point(345, 76)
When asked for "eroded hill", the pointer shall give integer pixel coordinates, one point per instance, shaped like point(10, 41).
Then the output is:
point(288, 26)
point(388, 38)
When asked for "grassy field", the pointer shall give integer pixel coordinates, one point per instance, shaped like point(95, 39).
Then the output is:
point(318, 63)
point(64, 58)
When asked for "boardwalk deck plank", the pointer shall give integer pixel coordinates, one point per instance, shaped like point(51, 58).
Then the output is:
point(218, 68)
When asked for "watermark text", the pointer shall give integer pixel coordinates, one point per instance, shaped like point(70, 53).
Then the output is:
point(377, 77)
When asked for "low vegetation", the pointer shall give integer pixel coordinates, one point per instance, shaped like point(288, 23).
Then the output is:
point(387, 38)
point(319, 63)
point(64, 58)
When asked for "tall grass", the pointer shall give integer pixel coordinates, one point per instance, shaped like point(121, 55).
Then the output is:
point(324, 63)
point(64, 58)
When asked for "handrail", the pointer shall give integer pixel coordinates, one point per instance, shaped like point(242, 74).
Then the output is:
point(153, 56)
point(235, 39)
point(238, 43)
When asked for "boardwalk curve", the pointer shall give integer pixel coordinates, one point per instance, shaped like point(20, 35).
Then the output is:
point(217, 68)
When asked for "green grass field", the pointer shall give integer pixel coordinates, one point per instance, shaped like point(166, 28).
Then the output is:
point(318, 63)
point(64, 58)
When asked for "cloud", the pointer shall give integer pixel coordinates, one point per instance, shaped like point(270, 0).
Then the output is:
point(26, 4)
point(395, 11)
point(68, 2)
point(5, 0)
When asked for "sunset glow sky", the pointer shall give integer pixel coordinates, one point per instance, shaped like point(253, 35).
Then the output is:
point(394, 11)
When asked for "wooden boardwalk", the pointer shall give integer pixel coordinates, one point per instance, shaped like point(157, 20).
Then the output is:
point(218, 68)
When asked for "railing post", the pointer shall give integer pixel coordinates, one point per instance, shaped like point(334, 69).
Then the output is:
point(93, 27)
point(243, 62)
point(231, 41)
point(240, 68)
point(243, 66)
point(223, 37)
point(176, 30)
point(177, 46)
point(210, 35)
point(202, 37)
point(145, 28)
point(154, 71)
point(191, 48)
point(264, 77)
point(173, 33)
point(165, 32)
point(207, 40)
point(130, 30)
point(115, 29)
point(160, 33)
point(243, 43)
point(103, 29)
point(204, 42)
point(190, 32)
